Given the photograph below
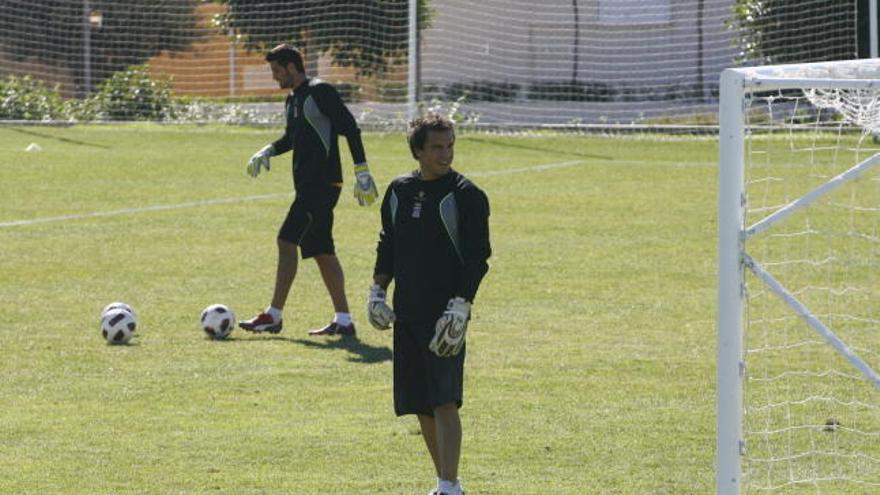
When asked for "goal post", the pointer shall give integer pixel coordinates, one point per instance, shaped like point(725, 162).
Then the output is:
point(731, 200)
point(798, 321)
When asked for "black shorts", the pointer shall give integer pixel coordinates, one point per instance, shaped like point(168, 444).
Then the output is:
point(309, 222)
point(423, 381)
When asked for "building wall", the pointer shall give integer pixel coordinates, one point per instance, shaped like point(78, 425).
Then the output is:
point(207, 68)
point(622, 42)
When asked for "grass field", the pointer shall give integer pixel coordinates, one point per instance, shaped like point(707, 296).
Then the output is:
point(591, 353)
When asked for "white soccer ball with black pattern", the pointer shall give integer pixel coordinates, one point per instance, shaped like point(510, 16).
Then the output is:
point(218, 321)
point(118, 326)
point(119, 305)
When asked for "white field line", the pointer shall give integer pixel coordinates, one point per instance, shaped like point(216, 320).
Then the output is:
point(246, 199)
point(533, 168)
point(128, 211)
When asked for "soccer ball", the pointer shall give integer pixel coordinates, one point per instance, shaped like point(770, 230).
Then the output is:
point(118, 326)
point(218, 321)
point(119, 305)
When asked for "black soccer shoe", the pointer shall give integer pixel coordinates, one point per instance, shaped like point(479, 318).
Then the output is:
point(335, 329)
point(262, 323)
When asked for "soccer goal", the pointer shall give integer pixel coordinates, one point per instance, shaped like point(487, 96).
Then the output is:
point(798, 393)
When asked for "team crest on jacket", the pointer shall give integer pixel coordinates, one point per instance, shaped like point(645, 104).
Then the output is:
point(417, 205)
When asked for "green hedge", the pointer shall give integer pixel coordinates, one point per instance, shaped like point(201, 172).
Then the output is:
point(132, 95)
point(24, 98)
point(128, 95)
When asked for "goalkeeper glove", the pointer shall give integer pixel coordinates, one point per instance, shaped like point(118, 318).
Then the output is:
point(379, 312)
point(364, 187)
point(450, 328)
point(260, 160)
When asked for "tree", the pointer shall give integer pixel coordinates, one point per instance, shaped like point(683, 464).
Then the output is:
point(367, 35)
point(793, 31)
point(55, 32)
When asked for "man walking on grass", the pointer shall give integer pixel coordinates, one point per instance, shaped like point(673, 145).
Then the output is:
point(316, 116)
point(434, 244)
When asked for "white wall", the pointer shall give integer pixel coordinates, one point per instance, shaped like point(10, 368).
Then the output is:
point(622, 42)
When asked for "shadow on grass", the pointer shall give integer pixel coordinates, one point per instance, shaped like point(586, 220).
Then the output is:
point(359, 351)
point(57, 138)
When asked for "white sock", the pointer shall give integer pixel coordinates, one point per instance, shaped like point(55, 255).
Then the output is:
point(343, 319)
point(448, 487)
point(274, 312)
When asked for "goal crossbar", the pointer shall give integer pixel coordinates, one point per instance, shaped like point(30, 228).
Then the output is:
point(768, 84)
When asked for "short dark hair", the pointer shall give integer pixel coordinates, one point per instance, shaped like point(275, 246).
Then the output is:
point(418, 130)
point(285, 54)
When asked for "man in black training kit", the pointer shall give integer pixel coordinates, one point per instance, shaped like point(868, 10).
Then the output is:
point(434, 244)
point(316, 116)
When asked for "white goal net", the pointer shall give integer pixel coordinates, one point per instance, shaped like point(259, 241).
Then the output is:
point(799, 280)
point(499, 63)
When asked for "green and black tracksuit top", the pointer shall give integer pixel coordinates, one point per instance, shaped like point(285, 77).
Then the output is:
point(316, 116)
point(434, 243)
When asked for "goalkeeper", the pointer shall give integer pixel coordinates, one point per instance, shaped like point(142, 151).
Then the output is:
point(434, 244)
point(315, 116)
